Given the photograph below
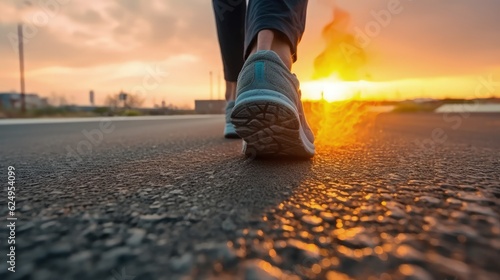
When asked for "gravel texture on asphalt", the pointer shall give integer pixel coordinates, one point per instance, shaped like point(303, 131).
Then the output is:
point(172, 199)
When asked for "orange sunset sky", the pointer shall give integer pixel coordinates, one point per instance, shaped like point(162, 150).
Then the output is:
point(429, 48)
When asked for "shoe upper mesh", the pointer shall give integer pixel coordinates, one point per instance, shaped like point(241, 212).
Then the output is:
point(277, 78)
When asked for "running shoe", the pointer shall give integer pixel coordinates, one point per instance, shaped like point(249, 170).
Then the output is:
point(229, 131)
point(268, 112)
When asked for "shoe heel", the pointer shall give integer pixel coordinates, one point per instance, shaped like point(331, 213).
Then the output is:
point(268, 123)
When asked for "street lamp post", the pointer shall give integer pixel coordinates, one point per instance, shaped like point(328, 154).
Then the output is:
point(218, 87)
point(211, 86)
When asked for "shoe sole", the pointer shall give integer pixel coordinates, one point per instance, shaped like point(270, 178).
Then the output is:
point(230, 133)
point(269, 124)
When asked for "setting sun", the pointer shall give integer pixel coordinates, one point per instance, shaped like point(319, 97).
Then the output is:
point(333, 90)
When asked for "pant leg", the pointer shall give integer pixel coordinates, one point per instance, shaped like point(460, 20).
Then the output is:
point(285, 16)
point(230, 22)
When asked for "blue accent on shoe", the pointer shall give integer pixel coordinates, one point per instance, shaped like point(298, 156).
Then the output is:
point(259, 72)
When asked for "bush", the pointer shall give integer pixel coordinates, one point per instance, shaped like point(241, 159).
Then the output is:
point(415, 107)
point(102, 111)
point(131, 113)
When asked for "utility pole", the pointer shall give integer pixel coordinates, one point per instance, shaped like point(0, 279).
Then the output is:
point(21, 65)
point(218, 87)
point(211, 86)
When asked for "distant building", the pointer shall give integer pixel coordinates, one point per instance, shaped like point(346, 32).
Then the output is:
point(209, 106)
point(12, 100)
point(469, 108)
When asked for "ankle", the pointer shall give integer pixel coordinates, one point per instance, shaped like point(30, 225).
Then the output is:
point(274, 41)
point(230, 91)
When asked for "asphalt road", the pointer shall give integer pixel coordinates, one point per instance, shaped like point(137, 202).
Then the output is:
point(412, 196)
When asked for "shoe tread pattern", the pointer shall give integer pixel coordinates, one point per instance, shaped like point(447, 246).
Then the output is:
point(269, 129)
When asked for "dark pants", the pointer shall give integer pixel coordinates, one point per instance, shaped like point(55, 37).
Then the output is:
point(237, 35)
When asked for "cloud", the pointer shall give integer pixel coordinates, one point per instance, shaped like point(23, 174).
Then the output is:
point(113, 31)
point(431, 38)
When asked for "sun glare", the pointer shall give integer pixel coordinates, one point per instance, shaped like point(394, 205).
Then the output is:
point(339, 120)
point(333, 90)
